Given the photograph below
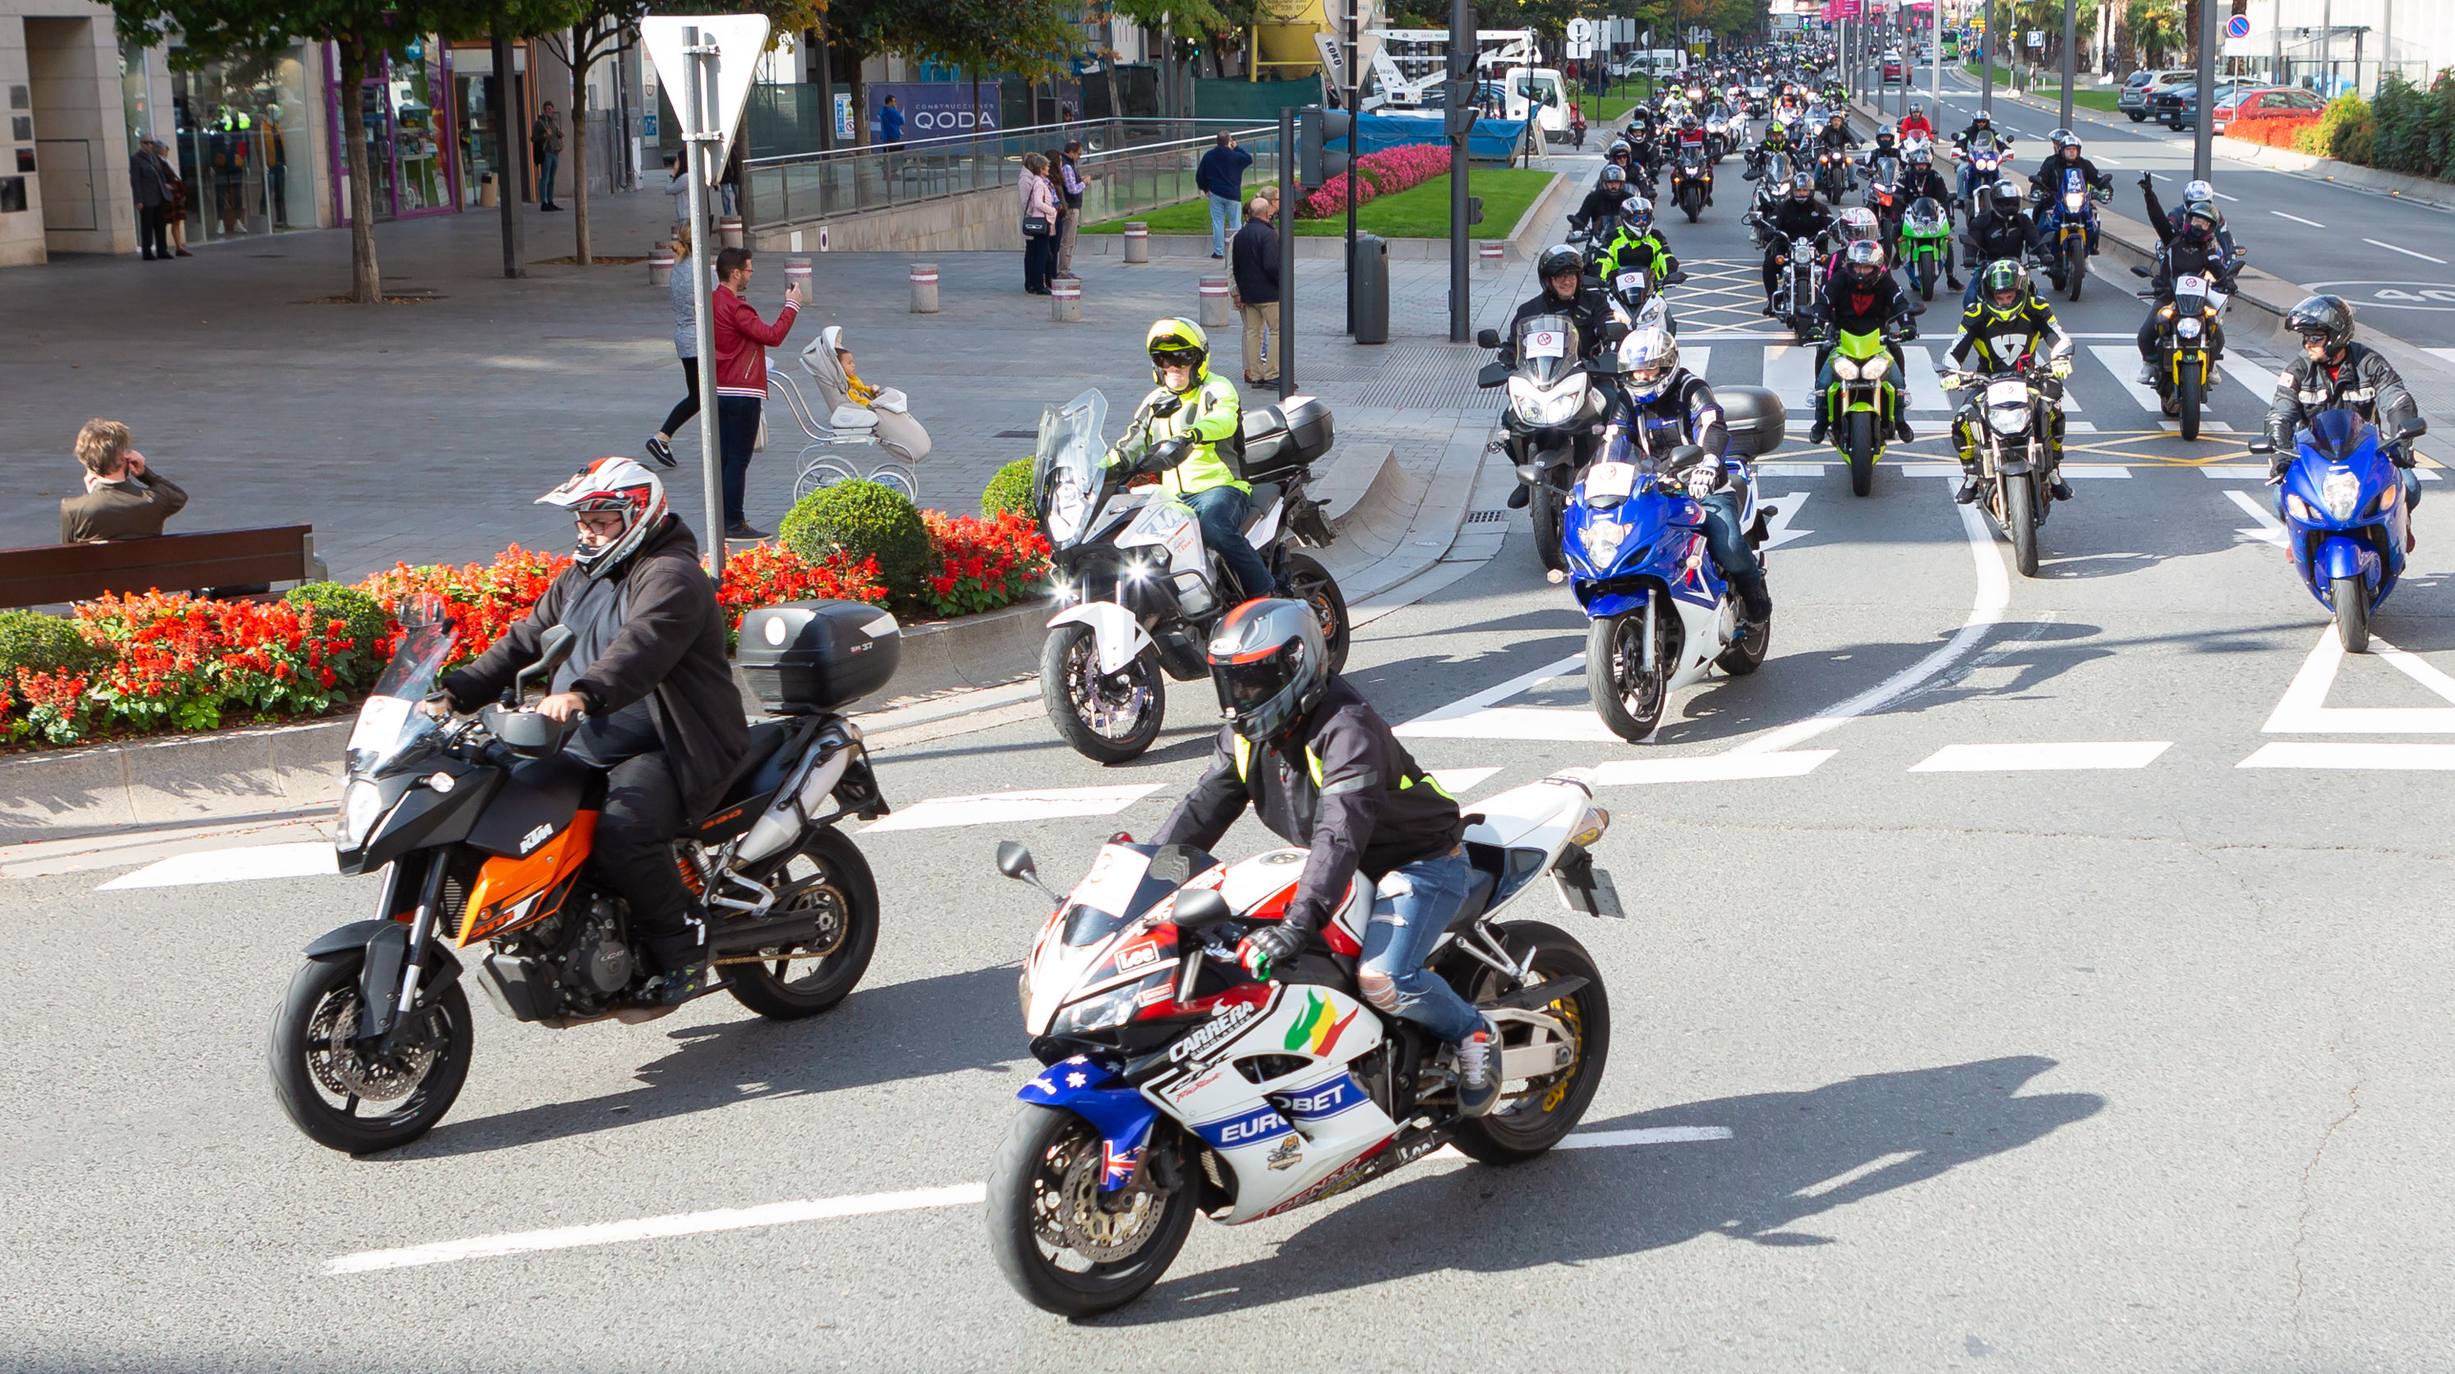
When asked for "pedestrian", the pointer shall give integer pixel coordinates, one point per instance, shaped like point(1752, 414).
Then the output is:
point(1072, 183)
point(742, 341)
point(152, 197)
point(546, 138)
point(175, 209)
point(1221, 176)
point(890, 122)
point(229, 144)
point(731, 182)
point(677, 185)
point(124, 498)
point(1254, 275)
point(1040, 209)
point(685, 347)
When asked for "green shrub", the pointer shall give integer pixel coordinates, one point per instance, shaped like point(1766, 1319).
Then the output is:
point(862, 518)
point(1010, 490)
point(2343, 132)
point(45, 643)
point(367, 620)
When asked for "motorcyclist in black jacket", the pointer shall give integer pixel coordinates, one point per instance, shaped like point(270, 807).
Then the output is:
point(1567, 290)
point(2192, 251)
point(1323, 771)
point(1835, 137)
point(1919, 178)
point(1798, 215)
point(1602, 204)
point(2054, 176)
point(1864, 298)
point(2333, 371)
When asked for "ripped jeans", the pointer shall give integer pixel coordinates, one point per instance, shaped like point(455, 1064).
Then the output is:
point(1411, 908)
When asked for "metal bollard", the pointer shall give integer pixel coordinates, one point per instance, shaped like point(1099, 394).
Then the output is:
point(924, 288)
point(1066, 300)
point(660, 264)
point(729, 231)
point(1216, 310)
point(1137, 242)
point(1489, 256)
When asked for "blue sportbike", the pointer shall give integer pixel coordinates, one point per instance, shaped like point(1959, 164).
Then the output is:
point(2346, 507)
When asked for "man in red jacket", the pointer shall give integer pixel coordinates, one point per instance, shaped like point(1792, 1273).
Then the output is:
point(742, 341)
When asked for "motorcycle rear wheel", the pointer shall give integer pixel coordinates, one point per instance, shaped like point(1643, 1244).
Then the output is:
point(1630, 707)
point(1548, 517)
point(1746, 654)
point(1314, 586)
point(1069, 653)
point(1047, 1179)
point(317, 1015)
point(1546, 1109)
point(2352, 600)
point(799, 983)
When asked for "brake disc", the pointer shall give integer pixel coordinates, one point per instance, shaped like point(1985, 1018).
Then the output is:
point(1082, 1220)
point(343, 1070)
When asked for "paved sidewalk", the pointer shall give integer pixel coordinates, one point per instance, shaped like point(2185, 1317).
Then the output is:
point(422, 431)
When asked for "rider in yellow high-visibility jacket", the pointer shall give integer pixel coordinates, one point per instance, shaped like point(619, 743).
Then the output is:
point(1195, 405)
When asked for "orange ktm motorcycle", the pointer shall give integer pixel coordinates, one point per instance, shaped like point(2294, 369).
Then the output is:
point(483, 833)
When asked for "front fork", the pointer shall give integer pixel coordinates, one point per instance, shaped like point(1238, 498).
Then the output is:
point(388, 979)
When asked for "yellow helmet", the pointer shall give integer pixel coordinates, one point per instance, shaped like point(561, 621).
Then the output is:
point(1177, 340)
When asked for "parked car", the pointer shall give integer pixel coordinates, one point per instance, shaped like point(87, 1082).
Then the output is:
point(1894, 68)
point(2140, 86)
point(2178, 109)
point(2246, 101)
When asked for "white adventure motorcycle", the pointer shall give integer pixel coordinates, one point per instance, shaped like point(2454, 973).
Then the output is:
point(1174, 1084)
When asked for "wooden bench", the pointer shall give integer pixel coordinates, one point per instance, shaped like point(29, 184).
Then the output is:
point(50, 573)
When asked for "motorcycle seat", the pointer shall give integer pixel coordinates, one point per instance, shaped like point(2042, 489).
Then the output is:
point(1482, 880)
point(1265, 495)
point(761, 770)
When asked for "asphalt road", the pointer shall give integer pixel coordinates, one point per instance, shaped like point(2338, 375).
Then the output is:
point(2051, 1027)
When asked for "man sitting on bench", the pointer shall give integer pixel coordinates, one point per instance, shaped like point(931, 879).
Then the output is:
point(124, 499)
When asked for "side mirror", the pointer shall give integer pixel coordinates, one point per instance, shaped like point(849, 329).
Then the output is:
point(1676, 277)
point(1488, 338)
point(1493, 374)
point(2262, 445)
point(552, 648)
point(1014, 861)
point(2409, 428)
point(1614, 331)
point(1199, 908)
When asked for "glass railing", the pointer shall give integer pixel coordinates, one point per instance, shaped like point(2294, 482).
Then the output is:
point(1138, 164)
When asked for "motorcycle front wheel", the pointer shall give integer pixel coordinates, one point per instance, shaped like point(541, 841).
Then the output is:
point(2020, 521)
point(1065, 1246)
point(326, 1085)
point(1858, 446)
point(1105, 718)
point(2188, 401)
point(1536, 1115)
point(2352, 599)
point(1548, 517)
point(830, 880)
point(1627, 697)
point(2075, 266)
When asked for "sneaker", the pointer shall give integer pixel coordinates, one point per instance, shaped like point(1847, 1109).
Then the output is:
point(1214, 257)
point(744, 532)
point(1478, 1059)
point(1971, 484)
point(2060, 488)
point(2148, 374)
point(661, 451)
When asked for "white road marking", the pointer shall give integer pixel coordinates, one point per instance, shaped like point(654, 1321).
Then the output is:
point(1457, 782)
point(1733, 766)
point(1482, 717)
point(1783, 527)
point(2444, 355)
point(2260, 380)
point(2337, 754)
point(255, 863)
point(1791, 469)
point(2205, 427)
point(995, 808)
point(2297, 219)
point(2266, 527)
point(1696, 358)
point(2123, 363)
point(2304, 709)
point(829, 1209)
point(2376, 243)
point(2042, 757)
point(1790, 373)
point(2077, 472)
point(2233, 473)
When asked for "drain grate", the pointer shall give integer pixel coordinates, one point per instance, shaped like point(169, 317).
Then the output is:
point(1486, 517)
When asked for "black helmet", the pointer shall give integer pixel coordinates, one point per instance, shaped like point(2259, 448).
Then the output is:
point(1884, 138)
point(1270, 665)
point(1614, 174)
point(2199, 221)
point(2007, 196)
point(2324, 320)
point(1557, 259)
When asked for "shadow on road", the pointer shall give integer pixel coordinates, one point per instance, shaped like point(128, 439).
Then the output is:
point(1793, 1157)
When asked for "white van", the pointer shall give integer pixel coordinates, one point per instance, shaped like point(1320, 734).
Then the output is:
point(1539, 94)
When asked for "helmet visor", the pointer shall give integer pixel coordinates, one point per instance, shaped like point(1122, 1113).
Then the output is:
point(1246, 688)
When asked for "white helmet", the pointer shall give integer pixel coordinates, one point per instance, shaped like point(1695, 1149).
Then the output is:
point(612, 484)
point(1647, 358)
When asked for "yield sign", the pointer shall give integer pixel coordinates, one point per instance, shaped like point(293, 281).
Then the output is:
point(739, 39)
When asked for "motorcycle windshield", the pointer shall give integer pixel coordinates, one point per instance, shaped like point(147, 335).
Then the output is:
point(1066, 465)
point(2339, 436)
point(1925, 216)
point(1546, 348)
point(390, 722)
point(1886, 173)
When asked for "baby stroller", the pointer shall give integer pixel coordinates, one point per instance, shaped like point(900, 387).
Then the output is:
point(859, 417)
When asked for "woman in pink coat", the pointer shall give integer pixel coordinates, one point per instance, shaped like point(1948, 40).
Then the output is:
point(1039, 206)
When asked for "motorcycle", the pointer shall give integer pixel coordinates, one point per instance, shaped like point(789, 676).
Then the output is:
point(1863, 403)
point(1884, 198)
point(2342, 503)
point(1553, 407)
point(1691, 181)
point(1832, 173)
point(1636, 302)
point(1660, 612)
point(2190, 340)
point(1139, 588)
point(2013, 428)
point(1925, 236)
point(1772, 180)
point(1175, 1085)
point(483, 830)
point(1797, 284)
point(2067, 258)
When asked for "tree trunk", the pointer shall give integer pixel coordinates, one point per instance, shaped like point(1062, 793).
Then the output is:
point(583, 56)
point(366, 281)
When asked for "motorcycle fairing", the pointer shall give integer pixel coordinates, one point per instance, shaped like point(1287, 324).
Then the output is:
point(1117, 636)
point(539, 792)
point(509, 893)
point(1097, 1095)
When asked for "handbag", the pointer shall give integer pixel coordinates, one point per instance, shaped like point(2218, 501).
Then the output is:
point(1036, 226)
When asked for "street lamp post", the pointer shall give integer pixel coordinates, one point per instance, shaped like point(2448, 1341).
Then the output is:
point(1986, 64)
point(2203, 138)
point(2071, 37)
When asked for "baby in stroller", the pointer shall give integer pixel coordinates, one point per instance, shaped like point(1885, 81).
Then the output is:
point(858, 413)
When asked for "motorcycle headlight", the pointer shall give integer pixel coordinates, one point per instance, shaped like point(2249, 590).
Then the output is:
point(362, 803)
point(1112, 1008)
point(1547, 407)
point(2340, 492)
point(1846, 369)
point(1603, 538)
point(2188, 329)
point(2300, 509)
point(2008, 419)
point(1875, 367)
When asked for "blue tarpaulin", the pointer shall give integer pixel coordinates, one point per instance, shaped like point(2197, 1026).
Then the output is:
point(1493, 140)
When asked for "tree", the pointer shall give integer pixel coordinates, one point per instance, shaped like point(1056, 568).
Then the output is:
point(2154, 27)
point(360, 31)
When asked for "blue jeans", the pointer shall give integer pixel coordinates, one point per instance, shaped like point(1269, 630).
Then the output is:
point(545, 177)
point(1730, 550)
point(1411, 907)
point(1222, 513)
point(1227, 215)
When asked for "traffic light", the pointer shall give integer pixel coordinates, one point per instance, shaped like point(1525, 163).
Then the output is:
point(1463, 94)
point(1474, 211)
point(1316, 129)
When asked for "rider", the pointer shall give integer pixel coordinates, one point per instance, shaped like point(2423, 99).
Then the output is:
point(1914, 125)
point(1887, 144)
point(1690, 138)
point(1981, 125)
point(1191, 403)
point(1324, 772)
point(1919, 178)
point(2192, 251)
point(1638, 244)
point(2333, 371)
point(2168, 223)
point(1602, 204)
point(2000, 230)
point(1796, 215)
point(660, 720)
point(1567, 290)
point(2055, 176)
point(1835, 137)
point(1857, 224)
point(1864, 299)
point(2002, 327)
point(1662, 398)
point(1776, 140)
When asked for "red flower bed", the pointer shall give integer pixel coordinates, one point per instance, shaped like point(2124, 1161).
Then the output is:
point(770, 574)
point(483, 599)
point(2273, 130)
point(982, 564)
point(1384, 172)
point(176, 661)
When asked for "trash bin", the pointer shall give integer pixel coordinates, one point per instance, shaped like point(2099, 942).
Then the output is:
point(1371, 287)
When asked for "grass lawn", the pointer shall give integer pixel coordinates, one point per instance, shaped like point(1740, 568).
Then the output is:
point(2089, 98)
point(1614, 104)
point(1420, 213)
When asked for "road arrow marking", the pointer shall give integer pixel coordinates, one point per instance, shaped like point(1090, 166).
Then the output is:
point(2304, 709)
point(253, 863)
point(1785, 510)
point(2269, 529)
point(2041, 757)
point(2337, 754)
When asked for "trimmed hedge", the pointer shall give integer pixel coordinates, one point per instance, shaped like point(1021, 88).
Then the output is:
point(44, 644)
point(1009, 491)
point(863, 519)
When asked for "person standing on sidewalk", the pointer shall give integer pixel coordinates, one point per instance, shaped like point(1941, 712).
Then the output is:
point(890, 122)
point(1254, 268)
point(1221, 176)
point(1072, 182)
point(152, 201)
point(685, 345)
point(742, 341)
point(1040, 211)
point(175, 209)
point(546, 136)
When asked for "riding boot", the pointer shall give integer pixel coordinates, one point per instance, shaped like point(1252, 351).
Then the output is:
point(1971, 482)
